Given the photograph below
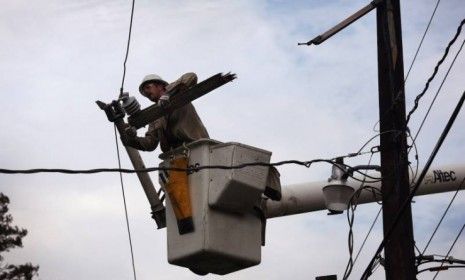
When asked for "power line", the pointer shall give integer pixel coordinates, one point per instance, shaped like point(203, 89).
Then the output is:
point(117, 145)
point(437, 92)
point(190, 169)
point(421, 41)
point(450, 250)
point(441, 139)
point(368, 234)
point(127, 50)
point(415, 56)
point(440, 268)
point(125, 206)
point(442, 217)
point(372, 138)
point(436, 68)
point(353, 202)
point(416, 135)
point(414, 145)
point(374, 149)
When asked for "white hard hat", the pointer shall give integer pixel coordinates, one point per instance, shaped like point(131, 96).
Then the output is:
point(151, 78)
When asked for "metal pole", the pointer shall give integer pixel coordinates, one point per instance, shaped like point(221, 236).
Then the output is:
point(399, 249)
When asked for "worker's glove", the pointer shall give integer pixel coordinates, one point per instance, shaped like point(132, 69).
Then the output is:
point(164, 100)
point(130, 131)
point(128, 136)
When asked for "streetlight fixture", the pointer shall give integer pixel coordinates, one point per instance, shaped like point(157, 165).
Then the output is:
point(337, 193)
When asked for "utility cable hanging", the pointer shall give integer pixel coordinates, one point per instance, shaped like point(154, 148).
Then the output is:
point(444, 259)
point(117, 146)
point(414, 58)
point(399, 214)
point(440, 268)
point(450, 250)
point(368, 234)
point(127, 51)
point(414, 145)
point(352, 206)
point(190, 169)
point(374, 149)
point(436, 68)
point(437, 92)
point(442, 217)
point(379, 134)
point(125, 206)
point(421, 41)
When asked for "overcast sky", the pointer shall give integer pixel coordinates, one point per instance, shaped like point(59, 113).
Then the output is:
point(58, 57)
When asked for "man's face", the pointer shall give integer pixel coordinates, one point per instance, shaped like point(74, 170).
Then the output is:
point(153, 91)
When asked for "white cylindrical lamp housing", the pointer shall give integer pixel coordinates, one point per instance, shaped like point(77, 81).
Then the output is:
point(308, 197)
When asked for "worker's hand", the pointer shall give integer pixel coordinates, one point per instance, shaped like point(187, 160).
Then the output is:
point(128, 136)
point(164, 100)
point(130, 131)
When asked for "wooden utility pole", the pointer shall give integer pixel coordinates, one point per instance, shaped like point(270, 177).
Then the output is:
point(399, 249)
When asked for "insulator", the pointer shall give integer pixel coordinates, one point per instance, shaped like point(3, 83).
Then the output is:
point(131, 105)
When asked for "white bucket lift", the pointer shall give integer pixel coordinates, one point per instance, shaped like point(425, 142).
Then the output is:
point(227, 233)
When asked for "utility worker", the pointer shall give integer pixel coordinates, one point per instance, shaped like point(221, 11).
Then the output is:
point(183, 125)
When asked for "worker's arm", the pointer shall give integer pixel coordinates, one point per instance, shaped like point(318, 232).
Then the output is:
point(186, 124)
point(183, 83)
point(147, 143)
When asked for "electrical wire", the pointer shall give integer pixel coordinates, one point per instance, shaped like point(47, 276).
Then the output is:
point(190, 169)
point(430, 259)
point(414, 174)
point(368, 234)
point(371, 151)
point(352, 206)
point(413, 60)
point(440, 268)
point(450, 250)
point(125, 206)
point(351, 218)
point(436, 68)
point(117, 145)
point(377, 263)
point(399, 214)
point(372, 138)
point(416, 247)
point(437, 92)
point(127, 50)
point(442, 217)
point(422, 39)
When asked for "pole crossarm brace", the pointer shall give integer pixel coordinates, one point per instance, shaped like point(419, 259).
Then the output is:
point(155, 112)
point(328, 34)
